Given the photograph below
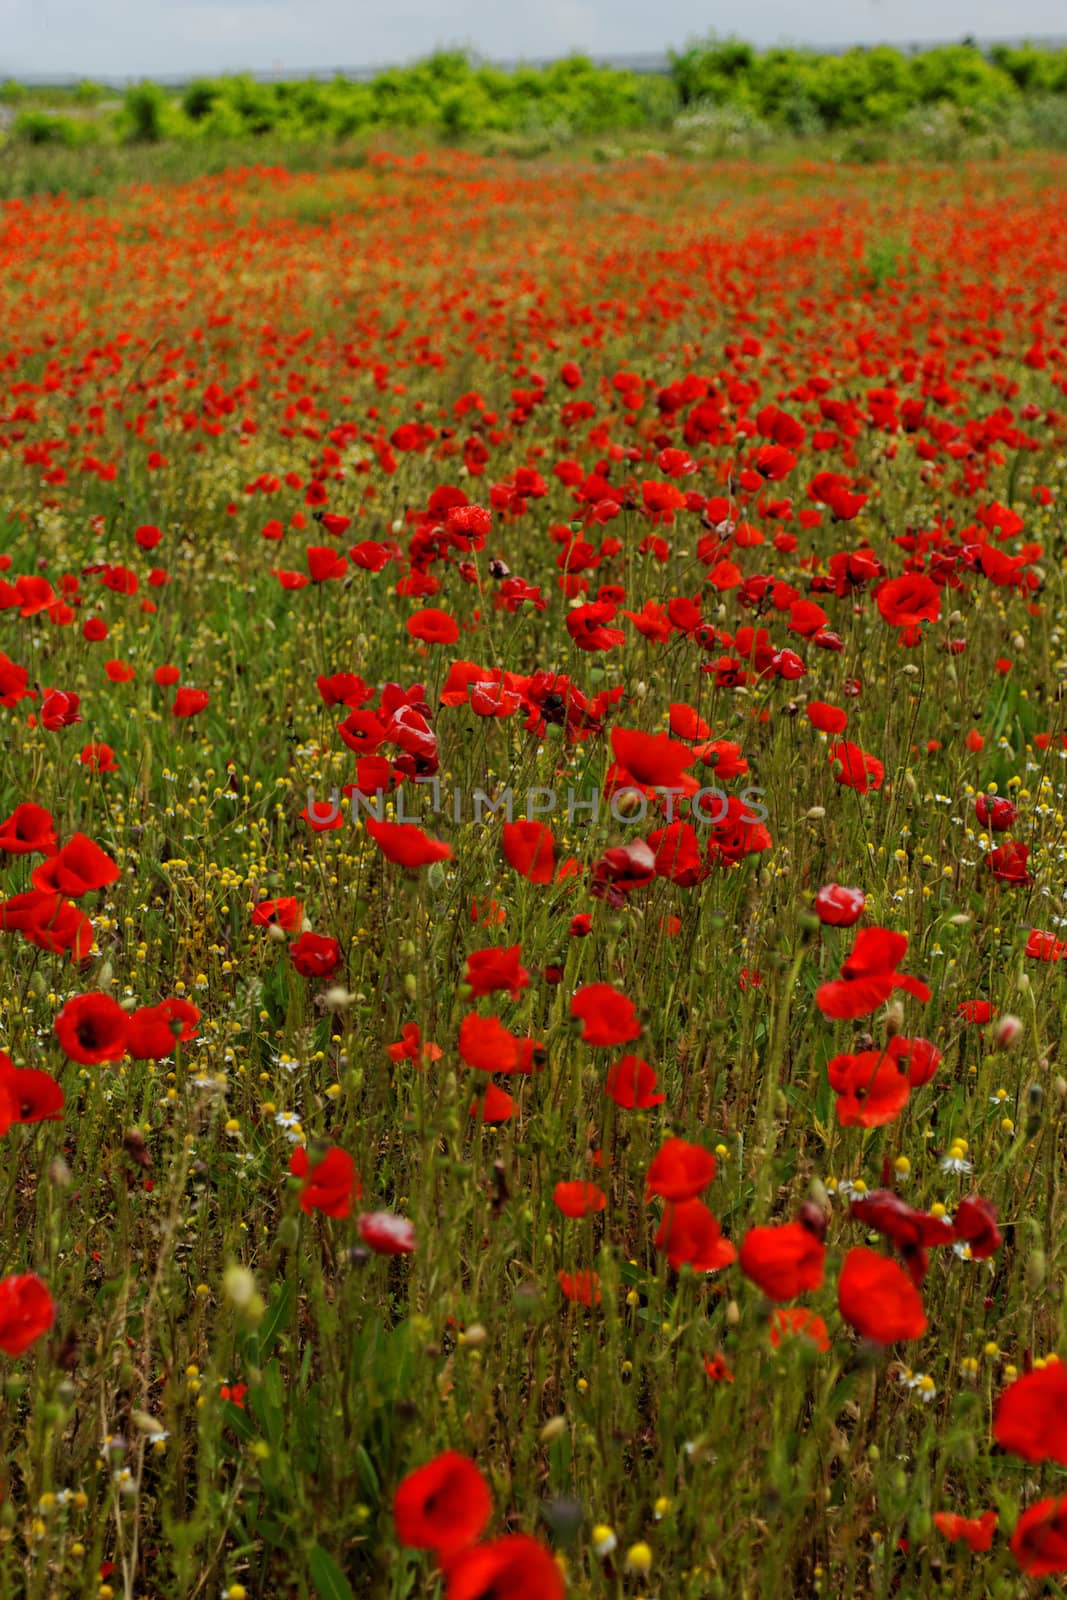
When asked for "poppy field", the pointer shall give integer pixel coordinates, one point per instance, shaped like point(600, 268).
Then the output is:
point(532, 913)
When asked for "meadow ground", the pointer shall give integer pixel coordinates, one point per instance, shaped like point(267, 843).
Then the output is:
point(696, 1224)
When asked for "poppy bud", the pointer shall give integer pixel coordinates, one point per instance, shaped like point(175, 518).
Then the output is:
point(813, 1218)
point(1007, 1031)
point(733, 1314)
point(60, 1174)
point(276, 933)
point(553, 1428)
point(411, 986)
point(815, 814)
point(894, 1019)
point(1036, 1268)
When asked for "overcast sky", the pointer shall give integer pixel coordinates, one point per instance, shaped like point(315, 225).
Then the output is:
point(122, 37)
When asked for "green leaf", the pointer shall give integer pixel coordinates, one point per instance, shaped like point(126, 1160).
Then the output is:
point(329, 1581)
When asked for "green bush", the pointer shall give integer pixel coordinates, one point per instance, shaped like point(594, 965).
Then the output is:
point(39, 128)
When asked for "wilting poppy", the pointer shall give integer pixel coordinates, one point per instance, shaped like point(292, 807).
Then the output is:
point(878, 1298)
point(442, 1506)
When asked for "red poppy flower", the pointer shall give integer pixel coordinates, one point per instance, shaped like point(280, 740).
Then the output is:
point(679, 1171)
point(975, 1224)
point(433, 626)
point(406, 845)
point(878, 1298)
point(912, 1232)
point(691, 1236)
point(27, 1095)
point(442, 1506)
point(410, 1047)
point(797, 1322)
point(190, 702)
point(631, 1083)
point(92, 1028)
point(994, 812)
point(583, 1288)
point(530, 848)
point(855, 768)
point(978, 1011)
point(323, 816)
point(872, 1088)
point(1039, 1543)
point(905, 602)
point(166, 675)
point(975, 1532)
point(1008, 861)
point(1030, 1418)
point(515, 1567)
point(653, 760)
point(838, 907)
point(386, 1233)
point(826, 718)
point(783, 1260)
point(328, 1182)
point(287, 913)
point(29, 830)
point(315, 955)
point(49, 922)
point(78, 868)
point(495, 1105)
point(485, 1043)
point(579, 1199)
point(869, 976)
point(98, 757)
point(155, 1030)
point(917, 1057)
point(608, 1015)
point(27, 1311)
point(716, 1368)
point(495, 968)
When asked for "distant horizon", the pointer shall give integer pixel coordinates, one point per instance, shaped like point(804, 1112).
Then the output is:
point(65, 41)
point(639, 60)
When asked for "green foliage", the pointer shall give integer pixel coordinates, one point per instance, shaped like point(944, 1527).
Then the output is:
point(144, 112)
